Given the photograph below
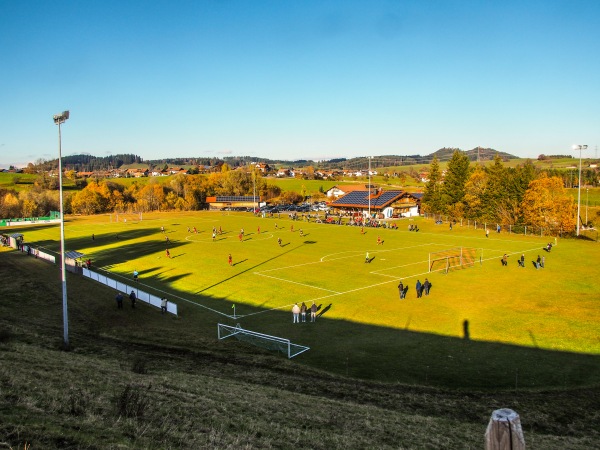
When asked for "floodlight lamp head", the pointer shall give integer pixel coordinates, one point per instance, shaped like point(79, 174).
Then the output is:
point(61, 118)
point(579, 147)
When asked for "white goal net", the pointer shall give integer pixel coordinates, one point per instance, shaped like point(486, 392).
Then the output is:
point(261, 340)
point(454, 258)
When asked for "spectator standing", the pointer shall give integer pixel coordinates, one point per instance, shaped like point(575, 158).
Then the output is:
point(426, 286)
point(401, 290)
point(119, 299)
point(313, 312)
point(418, 287)
point(296, 313)
point(135, 275)
point(303, 312)
point(133, 298)
point(163, 305)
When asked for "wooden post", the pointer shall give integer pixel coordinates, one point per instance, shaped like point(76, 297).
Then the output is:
point(504, 431)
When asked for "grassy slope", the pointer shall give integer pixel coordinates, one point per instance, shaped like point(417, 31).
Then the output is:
point(137, 379)
point(517, 316)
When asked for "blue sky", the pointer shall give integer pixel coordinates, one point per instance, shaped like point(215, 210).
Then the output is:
point(297, 79)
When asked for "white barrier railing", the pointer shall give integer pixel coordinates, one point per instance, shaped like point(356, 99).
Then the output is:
point(46, 256)
point(127, 288)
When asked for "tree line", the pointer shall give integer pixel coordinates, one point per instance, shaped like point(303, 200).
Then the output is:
point(180, 192)
point(507, 196)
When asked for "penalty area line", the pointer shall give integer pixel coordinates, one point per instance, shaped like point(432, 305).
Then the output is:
point(295, 282)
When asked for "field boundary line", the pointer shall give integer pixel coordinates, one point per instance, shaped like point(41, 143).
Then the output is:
point(295, 282)
point(371, 251)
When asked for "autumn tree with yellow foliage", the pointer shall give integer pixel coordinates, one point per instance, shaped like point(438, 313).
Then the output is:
point(546, 204)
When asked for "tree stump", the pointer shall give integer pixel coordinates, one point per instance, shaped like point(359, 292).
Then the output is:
point(504, 431)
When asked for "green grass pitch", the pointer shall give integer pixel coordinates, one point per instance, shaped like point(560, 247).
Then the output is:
point(526, 327)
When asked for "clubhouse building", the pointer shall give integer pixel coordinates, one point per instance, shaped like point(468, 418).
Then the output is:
point(385, 204)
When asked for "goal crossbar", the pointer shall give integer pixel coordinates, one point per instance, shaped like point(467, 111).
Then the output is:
point(454, 258)
point(261, 340)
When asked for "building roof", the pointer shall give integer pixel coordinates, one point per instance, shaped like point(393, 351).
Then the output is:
point(232, 198)
point(73, 254)
point(360, 199)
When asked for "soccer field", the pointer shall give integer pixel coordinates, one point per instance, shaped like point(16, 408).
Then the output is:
point(365, 329)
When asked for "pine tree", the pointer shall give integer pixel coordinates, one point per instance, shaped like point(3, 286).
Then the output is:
point(453, 188)
point(495, 190)
point(474, 193)
point(432, 197)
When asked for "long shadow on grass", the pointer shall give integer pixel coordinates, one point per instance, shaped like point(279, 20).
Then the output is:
point(122, 251)
point(402, 355)
point(349, 348)
point(103, 239)
point(248, 269)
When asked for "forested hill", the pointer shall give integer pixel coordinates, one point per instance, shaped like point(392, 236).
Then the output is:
point(89, 163)
point(478, 153)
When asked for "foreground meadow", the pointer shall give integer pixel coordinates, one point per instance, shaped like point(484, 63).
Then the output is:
point(485, 326)
point(136, 379)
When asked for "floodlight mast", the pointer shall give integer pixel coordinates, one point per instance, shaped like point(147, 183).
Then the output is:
point(369, 158)
point(58, 120)
point(579, 147)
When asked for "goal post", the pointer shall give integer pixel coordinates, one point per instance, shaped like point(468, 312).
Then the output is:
point(266, 341)
point(454, 258)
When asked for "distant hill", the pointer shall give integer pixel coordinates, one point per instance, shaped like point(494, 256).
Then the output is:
point(89, 163)
point(476, 154)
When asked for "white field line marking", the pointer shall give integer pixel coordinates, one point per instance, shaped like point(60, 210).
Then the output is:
point(354, 252)
point(295, 282)
point(368, 287)
point(378, 272)
point(288, 267)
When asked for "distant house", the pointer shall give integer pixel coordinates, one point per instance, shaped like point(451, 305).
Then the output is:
point(137, 173)
point(263, 167)
point(84, 174)
point(175, 171)
point(281, 173)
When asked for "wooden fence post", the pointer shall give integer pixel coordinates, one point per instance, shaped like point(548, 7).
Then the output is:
point(504, 431)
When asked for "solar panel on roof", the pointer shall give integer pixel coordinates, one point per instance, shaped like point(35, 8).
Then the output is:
point(236, 198)
point(361, 198)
